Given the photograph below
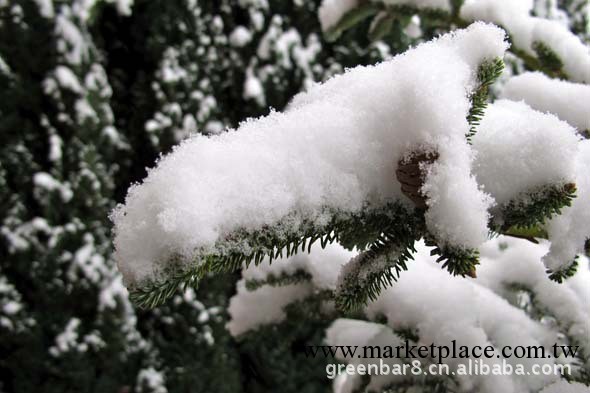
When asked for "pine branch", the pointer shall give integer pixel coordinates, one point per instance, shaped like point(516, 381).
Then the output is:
point(458, 261)
point(527, 233)
point(279, 241)
point(536, 310)
point(564, 273)
point(155, 292)
point(350, 19)
point(487, 74)
point(549, 61)
point(533, 208)
point(382, 260)
point(284, 278)
point(364, 277)
point(546, 59)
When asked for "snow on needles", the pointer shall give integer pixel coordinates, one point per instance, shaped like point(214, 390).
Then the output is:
point(570, 230)
point(335, 147)
point(331, 11)
point(446, 308)
point(568, 101)
point(250, 309)
point(526, 31)
point(520, 150)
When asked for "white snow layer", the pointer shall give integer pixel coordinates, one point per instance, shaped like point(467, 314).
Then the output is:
point(520, 150)
point(250, 309)
point(525, 31)
point(568, 101)
point(447, 308)
point(566, 387)
point(331, 11)
point(570, 230)
point(336, 147)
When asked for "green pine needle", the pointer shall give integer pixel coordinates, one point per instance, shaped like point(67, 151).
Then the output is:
point(273, 280)
point(549, 61)
point(352, 230)
point(563, 274)
point(380, 266)
point(458, 261)
point(536, 207)
point(351, 19)
point(487, 74)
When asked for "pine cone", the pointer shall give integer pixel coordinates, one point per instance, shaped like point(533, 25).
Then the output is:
point(411, 176)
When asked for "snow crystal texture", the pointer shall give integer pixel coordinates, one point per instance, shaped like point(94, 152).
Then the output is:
point(336, 147)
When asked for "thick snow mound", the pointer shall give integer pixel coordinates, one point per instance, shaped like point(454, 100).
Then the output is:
point(336, 147)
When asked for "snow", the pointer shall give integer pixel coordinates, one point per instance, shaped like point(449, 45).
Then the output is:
point(45, 8)
point(264, 305)
point(518, 263)
point(290, 49)
point(47, 182)
point(526, 30)
point(331, 11)
point(55, 148)
point(123, 6)
point(240, 37)
point(444, 5)
point(457, 208)
point(569, 231)
point(344, 332)
point(71, 42)
point(520, 150)
point(67, 79)
point(335, 147)
point(447, 308)
point(4, 68)
point(566, 387)
point(11, 307)
point(214, 127)
point(568, 101)
point(413, 29)
point(474, 320)
point(152, 379)
point(68, 339)
point(253, 88)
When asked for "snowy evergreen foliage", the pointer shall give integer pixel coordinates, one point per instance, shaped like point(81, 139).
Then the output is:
point(380, 158)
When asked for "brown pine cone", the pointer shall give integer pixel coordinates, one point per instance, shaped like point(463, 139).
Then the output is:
point(411, 177)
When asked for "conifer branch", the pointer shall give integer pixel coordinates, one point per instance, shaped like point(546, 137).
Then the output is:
point(350, 19)
point(364, 277)
point(549, 61)
point(379, 266)
point(280, 241)
point(458, 261)
point(536, 310)
point(487, 74)
point(284, 278)
point(535, 207)
point(564, 273)
point(545, 59)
